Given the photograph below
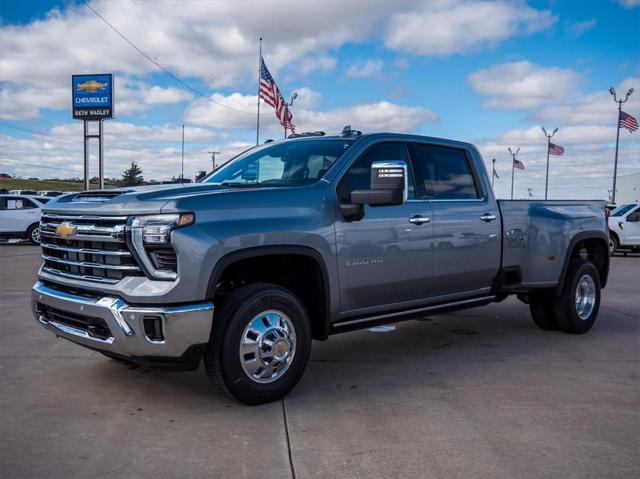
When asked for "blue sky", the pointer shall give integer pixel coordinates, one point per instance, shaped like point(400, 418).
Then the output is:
point(487, 72)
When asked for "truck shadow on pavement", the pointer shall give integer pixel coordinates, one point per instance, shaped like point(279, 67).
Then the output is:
point(427, 356)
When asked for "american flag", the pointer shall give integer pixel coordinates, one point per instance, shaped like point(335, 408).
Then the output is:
point(518, 164)
point(628, 122)
point(271, 95)
point(555, 150)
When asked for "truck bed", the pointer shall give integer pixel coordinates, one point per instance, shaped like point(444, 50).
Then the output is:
point(537, 235)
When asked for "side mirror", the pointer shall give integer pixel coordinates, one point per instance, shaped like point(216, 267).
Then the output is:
point(388, 185)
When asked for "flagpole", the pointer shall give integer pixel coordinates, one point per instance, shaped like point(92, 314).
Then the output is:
point(615, 161)
point(493, 173)
point(513, 166)
point(258, 114)
point(513, 170)
point(549, 136)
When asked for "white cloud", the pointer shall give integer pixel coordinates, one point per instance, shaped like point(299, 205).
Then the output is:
point(595, 108)
point(380, 116)
point(578, 28)
point(629, 3)
point(442, 28)
point(522, 84)
point(365, 69)
point(584, 172)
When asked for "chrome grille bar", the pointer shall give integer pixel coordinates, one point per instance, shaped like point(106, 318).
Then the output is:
point(64, 274)
point(85, 250)
point(87, 264)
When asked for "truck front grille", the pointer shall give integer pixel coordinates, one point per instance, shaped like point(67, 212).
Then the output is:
point(87, 247)
point(94, 327)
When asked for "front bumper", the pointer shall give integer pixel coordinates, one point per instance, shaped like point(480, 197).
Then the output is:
point(84, 320)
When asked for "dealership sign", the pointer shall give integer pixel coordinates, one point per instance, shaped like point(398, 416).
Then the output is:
point(92, 96)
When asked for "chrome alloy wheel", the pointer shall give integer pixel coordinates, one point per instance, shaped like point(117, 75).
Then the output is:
point(35, 235)
point(585, 297)
point(267, 346)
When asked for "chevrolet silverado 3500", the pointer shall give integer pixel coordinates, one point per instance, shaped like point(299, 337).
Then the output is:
point(302, 238)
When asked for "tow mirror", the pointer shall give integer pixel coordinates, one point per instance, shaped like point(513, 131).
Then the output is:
point(388, 185)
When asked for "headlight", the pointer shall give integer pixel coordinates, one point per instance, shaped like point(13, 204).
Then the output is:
point(155, 231)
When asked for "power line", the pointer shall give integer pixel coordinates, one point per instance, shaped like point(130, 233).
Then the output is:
point(33, 164)
point(159, 65)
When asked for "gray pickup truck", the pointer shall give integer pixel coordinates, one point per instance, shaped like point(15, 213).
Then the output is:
point(302, 238)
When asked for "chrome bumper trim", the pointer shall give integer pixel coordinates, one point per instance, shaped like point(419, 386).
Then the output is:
point(183, 325)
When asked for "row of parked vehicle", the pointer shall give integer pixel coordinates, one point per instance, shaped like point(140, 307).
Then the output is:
point(20, 213)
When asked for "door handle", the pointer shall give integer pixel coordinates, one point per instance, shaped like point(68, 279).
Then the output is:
point(488, 217)
point(418, 220)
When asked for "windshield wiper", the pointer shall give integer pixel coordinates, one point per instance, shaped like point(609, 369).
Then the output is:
point(241, 184)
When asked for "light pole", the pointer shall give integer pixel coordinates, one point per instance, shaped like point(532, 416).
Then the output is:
point(615, 161)
point(513, 166)
point(287, 105)
point(546, 181)
point(213, 158)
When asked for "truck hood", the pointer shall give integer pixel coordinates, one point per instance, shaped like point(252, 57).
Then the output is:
point(131, 200)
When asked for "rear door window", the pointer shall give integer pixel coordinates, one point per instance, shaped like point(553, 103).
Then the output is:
point(442, 172)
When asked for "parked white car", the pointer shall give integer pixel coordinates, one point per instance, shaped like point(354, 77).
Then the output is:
point(20, 217)
point(23, 192)
point(624, 227)
point(51, 194)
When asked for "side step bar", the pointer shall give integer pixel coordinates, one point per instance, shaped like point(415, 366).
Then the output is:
point(396, 316)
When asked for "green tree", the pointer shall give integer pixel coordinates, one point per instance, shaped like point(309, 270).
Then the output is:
point(132, 176)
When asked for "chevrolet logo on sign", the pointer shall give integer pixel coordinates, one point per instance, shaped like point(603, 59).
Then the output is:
point(65, 230)
point(92, 86)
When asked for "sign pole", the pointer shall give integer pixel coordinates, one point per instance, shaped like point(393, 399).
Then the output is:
point(100, 157)
point(86, 156)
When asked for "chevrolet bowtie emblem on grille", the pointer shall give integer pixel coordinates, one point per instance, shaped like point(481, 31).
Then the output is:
point(65, 230)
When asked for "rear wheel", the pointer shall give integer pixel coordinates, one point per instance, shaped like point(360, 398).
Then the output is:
point(542, 312)
point(33, 233)
point(260, 343)
point(577, 306)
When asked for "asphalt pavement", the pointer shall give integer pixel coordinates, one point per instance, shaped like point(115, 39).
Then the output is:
point(481, 393)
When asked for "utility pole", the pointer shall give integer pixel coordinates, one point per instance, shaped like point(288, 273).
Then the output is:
point(546, 181)
point(513, 167)
point(615, 162)
point(213, 158)
point(182, 174)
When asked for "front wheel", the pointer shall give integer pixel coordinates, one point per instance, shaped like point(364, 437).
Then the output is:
point(614, 244)
point(260, 343)
point(577, 306)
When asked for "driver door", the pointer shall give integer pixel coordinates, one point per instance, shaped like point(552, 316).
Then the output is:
point(386, 257)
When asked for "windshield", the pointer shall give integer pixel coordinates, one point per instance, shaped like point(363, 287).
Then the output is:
point(291, 163)
point(621, 211)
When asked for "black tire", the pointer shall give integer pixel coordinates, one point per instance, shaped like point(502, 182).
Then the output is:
point(566, 311)
point(222, 356)
point(614, 245)
point(33, 234)
point(542, 312)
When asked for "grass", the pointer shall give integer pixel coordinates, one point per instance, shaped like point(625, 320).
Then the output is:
point(40, 185)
